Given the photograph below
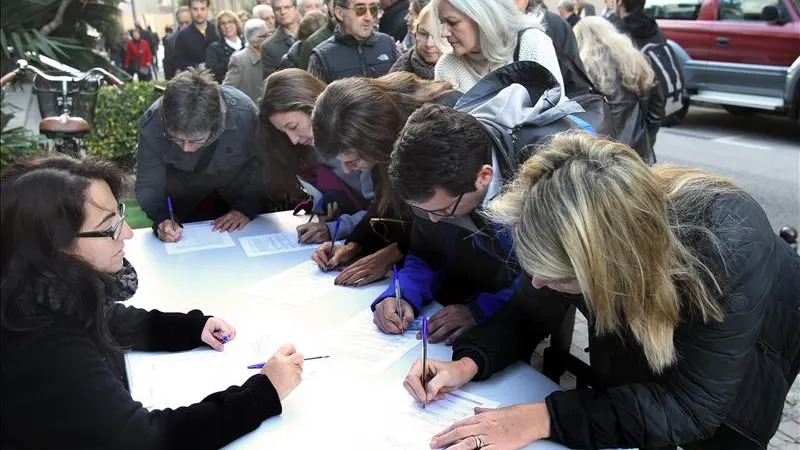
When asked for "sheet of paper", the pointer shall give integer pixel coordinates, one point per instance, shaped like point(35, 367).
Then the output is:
point(294, 286)
point(271, 244)
point(360, 344)
point(198, 236)
point(181, 379)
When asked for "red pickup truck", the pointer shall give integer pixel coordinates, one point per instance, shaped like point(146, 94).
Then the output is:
point(741, 54)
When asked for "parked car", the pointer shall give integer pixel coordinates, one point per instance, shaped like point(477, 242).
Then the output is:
point(741, 54)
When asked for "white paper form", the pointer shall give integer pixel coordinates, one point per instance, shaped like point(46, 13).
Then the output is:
point(294, 286)
point(198, 236)
point(181, 379)
point(360, 344)
point(271, 244)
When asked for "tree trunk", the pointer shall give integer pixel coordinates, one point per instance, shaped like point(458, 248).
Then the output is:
point(59, 17)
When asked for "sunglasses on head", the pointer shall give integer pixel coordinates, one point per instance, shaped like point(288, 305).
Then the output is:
point(361, 9)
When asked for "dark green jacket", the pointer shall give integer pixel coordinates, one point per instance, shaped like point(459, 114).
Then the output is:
point(314, 40)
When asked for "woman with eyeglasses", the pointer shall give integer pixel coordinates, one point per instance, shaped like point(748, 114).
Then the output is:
point(693, 304)
point(422, 57)
point(357, 120)
point(64, 330)
point(285, 131)
point(218, 54)
point(486, 35)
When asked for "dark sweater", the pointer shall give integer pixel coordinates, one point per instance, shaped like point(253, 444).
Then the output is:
point(61, 389)
point(191, 44)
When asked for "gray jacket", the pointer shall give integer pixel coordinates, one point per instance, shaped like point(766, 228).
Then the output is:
point(273, 49)
point(244, 73)
point(236, 165)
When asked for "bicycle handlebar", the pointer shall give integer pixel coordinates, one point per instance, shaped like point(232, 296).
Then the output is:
point(23, 66)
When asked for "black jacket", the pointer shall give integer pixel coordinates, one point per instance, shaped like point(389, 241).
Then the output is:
point(273, 49)
point(218, 55)
point(191, 44)
point(735, 373)
point(342, 56)
point(566, 46)
point(169, 55)
point(291, 60)
point(628, 112)
point(393, 21)
point(61, 389)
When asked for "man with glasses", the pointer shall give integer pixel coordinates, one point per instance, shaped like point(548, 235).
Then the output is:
point(197, 147)
point(287, 17)
point(355, 49)
point(446, 168)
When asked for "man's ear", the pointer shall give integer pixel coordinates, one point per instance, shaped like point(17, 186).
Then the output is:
point(338, 11)
point(484, 177)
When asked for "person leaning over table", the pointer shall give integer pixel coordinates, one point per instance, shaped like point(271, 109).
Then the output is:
point(357, 120)
point(64, 330)
point(197, 147)
point(693, 302)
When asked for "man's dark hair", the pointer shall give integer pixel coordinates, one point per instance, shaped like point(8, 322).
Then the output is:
point(438, 147)
point(632, 5)
point(182, 9)
point(192, 104)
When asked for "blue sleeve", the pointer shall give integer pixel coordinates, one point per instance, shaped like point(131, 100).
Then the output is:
point(347, 224)
point(487, 303)
point(418, 283)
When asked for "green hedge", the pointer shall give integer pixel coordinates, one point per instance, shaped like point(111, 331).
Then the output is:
point(113, 135)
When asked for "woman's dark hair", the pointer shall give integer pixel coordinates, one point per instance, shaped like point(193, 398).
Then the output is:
point(365, 116)
point(285, 91)
point(43, 208)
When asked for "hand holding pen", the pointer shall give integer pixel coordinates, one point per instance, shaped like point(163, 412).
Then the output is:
point(169, 230)
point(216, 333)
point(398, 298)
point(284, 370)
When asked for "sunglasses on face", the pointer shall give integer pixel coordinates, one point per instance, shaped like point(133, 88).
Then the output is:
point(361, 9)
point(382, 227)
point(112, 232)
point(438, 213)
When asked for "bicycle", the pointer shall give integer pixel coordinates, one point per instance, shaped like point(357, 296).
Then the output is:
point(60, 95)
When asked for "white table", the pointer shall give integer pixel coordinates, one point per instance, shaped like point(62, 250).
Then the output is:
point(331, 413)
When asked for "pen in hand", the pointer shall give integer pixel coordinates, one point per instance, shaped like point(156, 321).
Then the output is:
point(261, 365)
point(171, 214)
point(398, 298)
point(333, 239)
point(424, 359)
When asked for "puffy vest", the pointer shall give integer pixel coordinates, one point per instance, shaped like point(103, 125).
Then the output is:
point(343, 56)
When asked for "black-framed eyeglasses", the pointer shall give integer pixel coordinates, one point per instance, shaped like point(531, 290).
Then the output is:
point(449, 215)
point(361, 9)
point(112, 232)
point(382, 227)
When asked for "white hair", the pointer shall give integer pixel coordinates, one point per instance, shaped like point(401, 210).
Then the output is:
point(252, 29)
point(258, 8)
point(499, 23)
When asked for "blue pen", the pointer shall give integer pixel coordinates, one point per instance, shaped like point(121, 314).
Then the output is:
point(261, 365)
point(171, 214)
point(397, 297)
point(225, 338)
point(335, 233)
point(424, 358)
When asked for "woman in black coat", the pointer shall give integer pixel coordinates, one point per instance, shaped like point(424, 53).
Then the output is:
point(64, 332)
point(693, 304)
point(218, 53)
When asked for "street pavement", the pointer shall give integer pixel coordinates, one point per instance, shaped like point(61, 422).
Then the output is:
point(761, 154)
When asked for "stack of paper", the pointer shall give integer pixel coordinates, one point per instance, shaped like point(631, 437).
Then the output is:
point(198, 236)
point(271, 244)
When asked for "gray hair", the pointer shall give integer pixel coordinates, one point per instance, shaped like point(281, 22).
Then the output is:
point(258, 8)
point(499, 23)
point(566, 5)
point(252, 29)
point(192, 105)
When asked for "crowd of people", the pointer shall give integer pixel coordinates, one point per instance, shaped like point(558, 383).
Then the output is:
point(499, 154)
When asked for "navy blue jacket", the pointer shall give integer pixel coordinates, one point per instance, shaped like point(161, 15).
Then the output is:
point(191, 44)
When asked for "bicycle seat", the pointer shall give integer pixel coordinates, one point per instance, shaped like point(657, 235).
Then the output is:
point(63, 124)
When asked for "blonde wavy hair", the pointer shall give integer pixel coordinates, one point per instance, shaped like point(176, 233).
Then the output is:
point(610, 57)
point(589, 209)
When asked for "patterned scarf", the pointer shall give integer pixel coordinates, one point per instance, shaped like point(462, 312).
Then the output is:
point(419, 67)
point(123, 285)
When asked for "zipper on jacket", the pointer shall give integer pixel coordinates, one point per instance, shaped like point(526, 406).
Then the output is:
point(361, 60)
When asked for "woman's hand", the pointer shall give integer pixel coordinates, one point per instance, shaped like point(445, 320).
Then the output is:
point(216, 333)
point(284, 370)
point(341, 254)
point(370, 268)
point(313, 233)
point(507, 428)
point(444, 377)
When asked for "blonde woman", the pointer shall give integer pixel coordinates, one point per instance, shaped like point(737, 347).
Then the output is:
point(693, 304)
point(218, 53)
point(484, 35)
point(624, 74)
point(422, 57)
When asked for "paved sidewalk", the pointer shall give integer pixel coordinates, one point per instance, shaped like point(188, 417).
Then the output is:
point(786, 438)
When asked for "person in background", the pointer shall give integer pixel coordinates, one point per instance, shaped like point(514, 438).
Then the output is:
point(610, 13)
point(626, 79)
point(244, 69)
point(116, 50)
point(485, 35)
point(393, 20)
point(243, 16)
point(414, 7)
point(65, 329)
point(138, 58)
point(584, 9)
point(285, 116)
point(309, 24)
point(218, 54)
point(566, 9)
point(154, 41)
point(192, 41)
point(317, 38)
point(694, 323)
point(273, 49)
point(183, 17)
point(421, 59)
point(357, 120)
point(264, 12)
point(355, 49)
point(313, 5)
point(197, 147)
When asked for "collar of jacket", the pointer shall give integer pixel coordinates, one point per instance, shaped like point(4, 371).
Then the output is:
point(350, 41)
point(282, 35)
